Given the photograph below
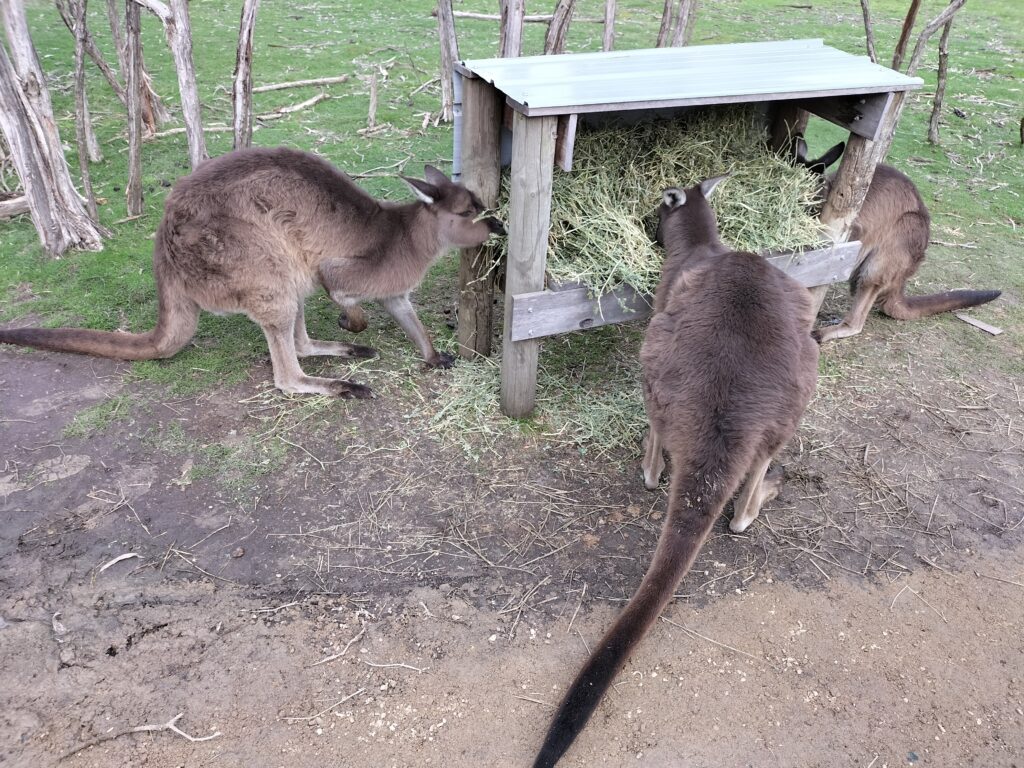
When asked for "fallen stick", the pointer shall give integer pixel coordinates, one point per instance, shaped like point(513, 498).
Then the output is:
point(301, 83)
point(287, 110)
point(170, 725)
point(323, 711)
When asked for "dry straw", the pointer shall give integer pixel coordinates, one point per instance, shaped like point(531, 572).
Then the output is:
point(602, 213)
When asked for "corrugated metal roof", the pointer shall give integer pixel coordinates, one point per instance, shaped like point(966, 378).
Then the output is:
point(698, 74)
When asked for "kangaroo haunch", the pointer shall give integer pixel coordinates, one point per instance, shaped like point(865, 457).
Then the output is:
point(729, 367)
point(254, 231)
point(894, 227)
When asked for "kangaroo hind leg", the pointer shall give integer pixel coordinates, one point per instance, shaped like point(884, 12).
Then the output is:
point(307, 347)
point(654, 459)
point(288, 375)
point(761, 487)
point(853, 323)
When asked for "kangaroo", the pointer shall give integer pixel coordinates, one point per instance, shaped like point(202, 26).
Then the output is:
point(893, 226)
point(255, 230)
point(729, 367)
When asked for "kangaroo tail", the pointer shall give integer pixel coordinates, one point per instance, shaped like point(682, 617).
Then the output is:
point(902, 307)
point(178, 317)
point(694, 505)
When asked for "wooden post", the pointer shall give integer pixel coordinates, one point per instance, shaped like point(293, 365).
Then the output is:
point(608, 42)
point(133, 49)
point(512, 13)
point(481, 172)
point(845, 198)
point(787, 120)
point(241, 92)
point(533, 155)
point(666, 24)
point(449, 55)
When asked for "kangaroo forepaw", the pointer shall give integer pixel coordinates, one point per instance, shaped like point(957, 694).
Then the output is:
point(816, 335)
point(349, 390)
point(441, 360)
point(356, 324)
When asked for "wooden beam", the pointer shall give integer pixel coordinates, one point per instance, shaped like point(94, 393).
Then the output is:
point(565, 141)
point(481, 172)
point(533, 155)
point(786, 121)
point(860, 115)
point(572, 308)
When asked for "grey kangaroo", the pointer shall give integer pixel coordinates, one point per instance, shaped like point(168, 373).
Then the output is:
point(894, 227)
point(729, 367)
point(254, 231)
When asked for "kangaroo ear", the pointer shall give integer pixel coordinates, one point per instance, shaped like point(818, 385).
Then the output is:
point(434, 176)
point(708, 185)
point(673, 197)
point(426, 192)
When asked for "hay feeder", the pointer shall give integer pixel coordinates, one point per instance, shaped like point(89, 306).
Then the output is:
point(545, 96)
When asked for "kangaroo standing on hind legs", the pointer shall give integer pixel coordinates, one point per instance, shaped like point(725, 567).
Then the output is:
point(254, 231)
point(729, 367)
point(894, 228)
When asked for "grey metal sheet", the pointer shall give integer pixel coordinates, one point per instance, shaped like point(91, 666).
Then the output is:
point(706, 74)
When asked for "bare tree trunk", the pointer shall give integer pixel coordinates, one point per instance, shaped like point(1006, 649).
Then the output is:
point(154, 112)
point(908, 27)
point(684, 22)
point(449, 55)
point(881, 147)
point(940, 87)
point(82, 126)
point(241, 93)
point(558, 29)
point(133, 56)
point(609, 26)
point(666, 24)
point(512, 12)
point(26, 120)
point(869, 30)
point(178, 29)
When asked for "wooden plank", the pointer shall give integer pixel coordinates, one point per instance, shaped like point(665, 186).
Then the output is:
point(481, 172)
point(572, 308)
point(860, 115)
point(533, 155)
point(566, 141)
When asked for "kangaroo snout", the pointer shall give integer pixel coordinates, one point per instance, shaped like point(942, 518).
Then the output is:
point(495, 225)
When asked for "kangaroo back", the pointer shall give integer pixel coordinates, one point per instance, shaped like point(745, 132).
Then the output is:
point(729, 367)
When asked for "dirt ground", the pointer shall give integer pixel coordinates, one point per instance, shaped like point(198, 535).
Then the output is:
point(379, 599)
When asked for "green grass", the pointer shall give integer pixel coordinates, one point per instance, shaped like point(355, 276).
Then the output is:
point(973, 181)
point(98, 418)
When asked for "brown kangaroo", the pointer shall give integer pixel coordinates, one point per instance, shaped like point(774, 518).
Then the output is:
point(254, 231)
point(894, 227)
point(729, 367)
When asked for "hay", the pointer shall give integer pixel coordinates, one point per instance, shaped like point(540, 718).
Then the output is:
point(602, 213)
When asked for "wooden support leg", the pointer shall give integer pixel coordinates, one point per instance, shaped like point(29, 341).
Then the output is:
point(533, 156)
point(787, 120)
point(846, 195)
point(481, 172)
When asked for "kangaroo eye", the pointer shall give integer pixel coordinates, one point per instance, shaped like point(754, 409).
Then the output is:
point(467, 214)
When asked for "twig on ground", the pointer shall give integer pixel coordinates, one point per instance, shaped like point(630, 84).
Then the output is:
point(170, 725)
point(322, 712)
point(301, 83)
point(343, 650)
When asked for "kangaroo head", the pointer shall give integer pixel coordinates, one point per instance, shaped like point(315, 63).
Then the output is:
point(456, 209)
point(819, 165)
point(685, 213)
